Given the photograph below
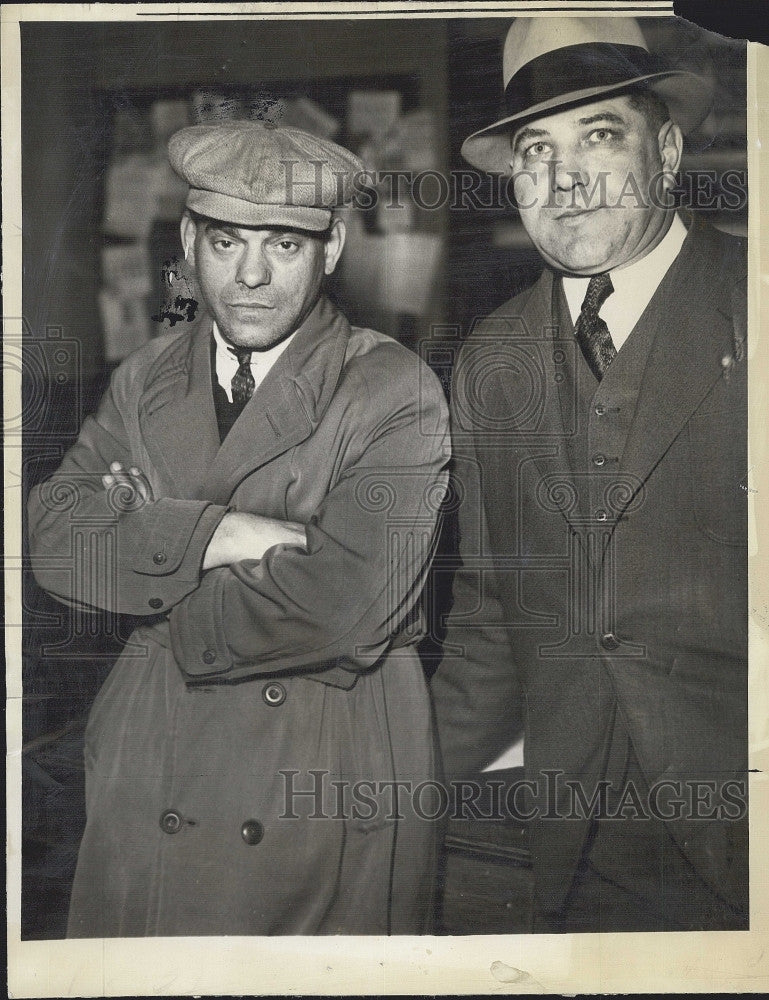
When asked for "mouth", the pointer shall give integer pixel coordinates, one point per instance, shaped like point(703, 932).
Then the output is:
point(575, 213)
point(249, 307)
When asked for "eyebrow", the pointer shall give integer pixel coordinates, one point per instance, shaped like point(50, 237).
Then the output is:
point(234, 231)
point(539, 133)
point(603, 116)
point(222, 227)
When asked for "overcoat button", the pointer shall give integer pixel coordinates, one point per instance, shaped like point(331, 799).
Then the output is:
point(601, 515)
point(274, 694)
point(600, 410)
point(209, 656)
point(159, 558)
point(599, 460)
point(609, 641)
point(156, 602)
point(252, 831)
point(170, 821)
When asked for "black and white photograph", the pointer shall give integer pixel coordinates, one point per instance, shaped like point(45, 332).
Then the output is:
point(384, 577)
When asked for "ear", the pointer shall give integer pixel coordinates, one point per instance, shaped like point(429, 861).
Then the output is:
point(188, 230)
point(334, 244)
point(671, 145)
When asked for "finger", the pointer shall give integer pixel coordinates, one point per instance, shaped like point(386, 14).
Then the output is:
point(142, 483)
point(107, 480)
point(115, 467)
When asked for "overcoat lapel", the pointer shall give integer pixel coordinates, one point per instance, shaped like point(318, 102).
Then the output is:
point(287, 405)
point(178, 419)
point(176, 412)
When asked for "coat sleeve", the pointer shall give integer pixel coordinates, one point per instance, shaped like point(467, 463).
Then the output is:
point(338, 603)
point(95, 547)
point(476, 689)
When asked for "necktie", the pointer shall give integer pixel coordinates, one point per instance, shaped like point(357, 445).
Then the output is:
point(591, 332)
point(243, 380)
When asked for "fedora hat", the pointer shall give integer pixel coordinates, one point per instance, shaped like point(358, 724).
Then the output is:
point(551, 63)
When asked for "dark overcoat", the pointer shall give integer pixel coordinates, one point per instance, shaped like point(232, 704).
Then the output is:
point(564, 613)
point(254, 683)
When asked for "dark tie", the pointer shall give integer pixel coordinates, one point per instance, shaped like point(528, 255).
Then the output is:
point(591, 332)
point(243, 380)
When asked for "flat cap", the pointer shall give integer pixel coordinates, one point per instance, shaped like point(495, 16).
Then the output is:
point(253, 173)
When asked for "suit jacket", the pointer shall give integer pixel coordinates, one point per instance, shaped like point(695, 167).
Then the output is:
point(247, 678)
point(563, 614)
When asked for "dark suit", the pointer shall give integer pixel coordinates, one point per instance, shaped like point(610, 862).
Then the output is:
point(603, 589)
point(190, 830)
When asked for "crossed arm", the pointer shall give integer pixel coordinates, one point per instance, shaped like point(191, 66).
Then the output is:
point(245, 593)
point(239, 535)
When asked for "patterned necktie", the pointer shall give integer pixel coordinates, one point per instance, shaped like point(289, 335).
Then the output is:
point(591, 332)
point(243, 380)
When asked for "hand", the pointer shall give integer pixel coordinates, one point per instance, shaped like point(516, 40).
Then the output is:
point(133, 485)
point(240, 535)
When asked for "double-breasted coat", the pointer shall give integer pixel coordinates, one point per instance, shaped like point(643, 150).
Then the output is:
point(213, 747)
point(633, 601)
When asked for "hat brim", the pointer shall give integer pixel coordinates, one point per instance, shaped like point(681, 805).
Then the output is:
point(687, 96)
point(239, 212)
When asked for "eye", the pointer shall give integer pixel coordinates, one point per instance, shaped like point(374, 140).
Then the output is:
point(601, 135)
point(539, 148)
point(287, 245)
point(222, 243)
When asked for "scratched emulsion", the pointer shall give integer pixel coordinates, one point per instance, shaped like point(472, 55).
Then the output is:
point(179, 307)
point(509, 974)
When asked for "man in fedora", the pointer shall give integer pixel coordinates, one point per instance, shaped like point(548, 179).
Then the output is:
point(599, 427)
point(261, 489)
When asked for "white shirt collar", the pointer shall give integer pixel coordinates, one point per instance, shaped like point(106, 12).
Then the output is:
point(260, 364)
point(634, 285)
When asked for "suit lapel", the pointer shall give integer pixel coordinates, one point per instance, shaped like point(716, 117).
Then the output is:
point(545, 441)
point(694, 334)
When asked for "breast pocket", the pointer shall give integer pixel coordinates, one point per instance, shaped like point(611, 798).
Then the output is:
point(719, 474)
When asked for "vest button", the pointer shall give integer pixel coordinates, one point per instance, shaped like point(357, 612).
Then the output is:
point(601, 515)
point(252, 831)
point(559, 357)
point(274, 694)
point(599, 460)
point(155, 602)
point(170, 821)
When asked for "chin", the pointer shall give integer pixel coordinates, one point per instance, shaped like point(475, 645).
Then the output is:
point(583, 258)
point(254, 340)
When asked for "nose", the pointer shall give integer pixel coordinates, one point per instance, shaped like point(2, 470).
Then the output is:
point(253, 268)
point(568, 174)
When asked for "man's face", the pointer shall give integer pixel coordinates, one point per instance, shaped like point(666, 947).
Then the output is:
point(259, 284)
point(591, 182)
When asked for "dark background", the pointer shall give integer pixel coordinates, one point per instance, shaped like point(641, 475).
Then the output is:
point(74, 75)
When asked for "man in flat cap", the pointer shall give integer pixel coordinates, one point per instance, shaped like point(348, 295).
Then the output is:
point(599, 423)
point(262, 488)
